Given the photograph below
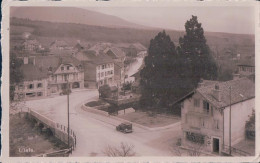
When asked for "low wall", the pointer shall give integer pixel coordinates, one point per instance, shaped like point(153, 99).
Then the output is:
point(122, 101)
point(94, 110)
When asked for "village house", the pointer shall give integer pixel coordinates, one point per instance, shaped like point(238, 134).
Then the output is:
point(31, 45)
point(245, 68)
point(116, 54)
point(99, 71)
point(206, 118)
point(61, 70)
point(46, 75)
point(34, 82)
point(60, 45)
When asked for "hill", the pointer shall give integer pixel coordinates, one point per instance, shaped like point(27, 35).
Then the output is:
point(220, 43)
point(71, 15)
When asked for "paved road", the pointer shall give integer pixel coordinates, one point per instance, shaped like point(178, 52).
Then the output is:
point(94, 132)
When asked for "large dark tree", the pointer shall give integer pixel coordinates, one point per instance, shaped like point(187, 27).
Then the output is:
point(195, 52)
point(157, 76)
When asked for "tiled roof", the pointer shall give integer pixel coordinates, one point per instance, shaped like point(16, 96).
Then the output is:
point(138, 46)
point(59, 43)
point(241, 89)
point(32, 72)
point(116, 52)
point(45, 62)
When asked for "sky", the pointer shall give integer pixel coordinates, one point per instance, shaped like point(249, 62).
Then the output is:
point(227, 19)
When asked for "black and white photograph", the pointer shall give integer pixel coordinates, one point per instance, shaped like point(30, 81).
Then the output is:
point(132, 81)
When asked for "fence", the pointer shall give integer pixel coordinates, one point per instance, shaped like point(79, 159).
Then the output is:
point(59, 131)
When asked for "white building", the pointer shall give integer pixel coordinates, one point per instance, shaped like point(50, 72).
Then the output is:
point(205, 115)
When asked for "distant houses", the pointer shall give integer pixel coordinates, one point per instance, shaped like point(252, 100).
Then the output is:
point(46, 75)
point(205, 115)
point(84, 65)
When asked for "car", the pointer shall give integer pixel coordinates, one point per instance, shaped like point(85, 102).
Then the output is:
point(125, 127)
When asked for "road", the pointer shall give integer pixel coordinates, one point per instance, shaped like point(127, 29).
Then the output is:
point(94, 132)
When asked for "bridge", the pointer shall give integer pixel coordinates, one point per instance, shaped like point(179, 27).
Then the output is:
point(58, 130)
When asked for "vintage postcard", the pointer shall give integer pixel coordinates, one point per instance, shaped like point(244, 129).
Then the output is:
point(139, 81)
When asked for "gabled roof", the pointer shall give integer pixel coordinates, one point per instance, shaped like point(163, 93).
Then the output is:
point(34, 41)
point(59, 43)
point(45, 62)
point(32, 72)
point(138, 46)
point(114, 52)
point(241, 89)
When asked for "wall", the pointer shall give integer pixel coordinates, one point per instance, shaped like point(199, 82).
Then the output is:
point(240, 113)
point(192, 121)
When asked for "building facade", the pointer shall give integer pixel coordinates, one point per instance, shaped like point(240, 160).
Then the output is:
point(205, 115)
point(105, 74)
point(46, 75)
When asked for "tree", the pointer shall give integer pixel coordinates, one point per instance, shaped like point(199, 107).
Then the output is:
point(124, 150)
point(157, 76)
point(104, 91)
point(195, 53)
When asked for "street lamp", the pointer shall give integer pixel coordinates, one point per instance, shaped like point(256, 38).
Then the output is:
point(68, 101)
point(230, 120)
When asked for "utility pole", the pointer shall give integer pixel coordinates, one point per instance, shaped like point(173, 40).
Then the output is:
point(230, 121)
point(68, 111)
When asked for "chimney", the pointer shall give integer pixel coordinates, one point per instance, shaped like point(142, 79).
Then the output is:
point(25, 60)
point(201, 83)
point(216, 93)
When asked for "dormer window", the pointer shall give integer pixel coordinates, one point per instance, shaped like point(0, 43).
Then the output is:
point(62, 68)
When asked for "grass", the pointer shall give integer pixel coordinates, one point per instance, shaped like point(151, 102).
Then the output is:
point(23, 135)
point(95, 103)
point(146, 119)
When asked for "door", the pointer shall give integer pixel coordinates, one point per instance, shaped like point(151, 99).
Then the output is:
point(216, 145)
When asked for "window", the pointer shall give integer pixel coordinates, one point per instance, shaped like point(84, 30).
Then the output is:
point(102, 74)
point(39, 85)
point(196, 102)
point(105, 73)
point(20, 87)
point(202, 122)
point(111, 71)
point(103, 67)
point(62, 68)
point(206, 106)
point(30, 86)
point(216, 124)
point(98, 75)
point(68, 67)
point(39, 93)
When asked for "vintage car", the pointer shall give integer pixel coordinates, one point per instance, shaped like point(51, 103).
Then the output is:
point(125, 127)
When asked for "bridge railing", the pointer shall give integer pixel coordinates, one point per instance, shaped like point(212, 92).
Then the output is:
point(60, 131)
